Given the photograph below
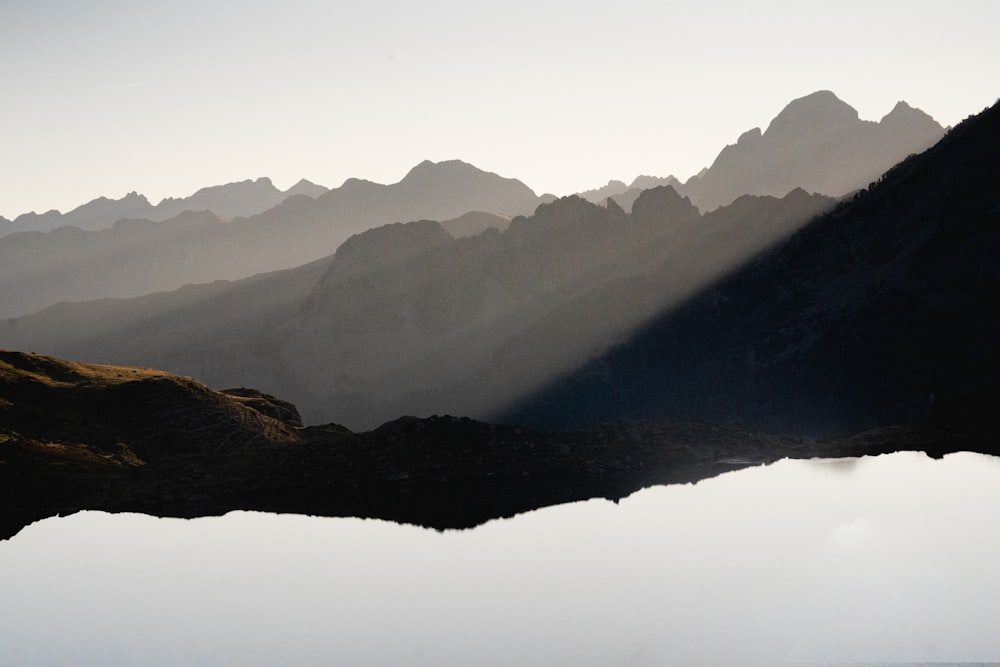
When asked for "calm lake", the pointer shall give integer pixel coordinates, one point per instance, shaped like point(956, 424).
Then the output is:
point(891, 559)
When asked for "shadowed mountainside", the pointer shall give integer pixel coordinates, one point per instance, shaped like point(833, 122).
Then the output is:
point(407, 320)
point(867, 316)
point(240, 199)
point(78, 436)
point(135, 257)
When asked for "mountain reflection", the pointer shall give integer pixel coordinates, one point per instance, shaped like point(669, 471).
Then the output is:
point(889, 560)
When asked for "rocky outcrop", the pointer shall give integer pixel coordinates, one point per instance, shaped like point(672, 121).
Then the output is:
point(153, 414)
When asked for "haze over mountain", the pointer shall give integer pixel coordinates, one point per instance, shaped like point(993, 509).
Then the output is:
point(406, 319)
point(241, 199)
point(475, 222)
point(615, 189)
point(817, 143)
point(828, 148)
point(135, 257)
point(871, 315)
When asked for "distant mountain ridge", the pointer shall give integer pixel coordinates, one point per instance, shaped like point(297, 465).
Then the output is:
point(615, 189)
point(232, 200)
point(817, 143)
point(135, 257)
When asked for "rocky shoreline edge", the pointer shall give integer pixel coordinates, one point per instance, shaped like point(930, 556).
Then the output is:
point(87, 437)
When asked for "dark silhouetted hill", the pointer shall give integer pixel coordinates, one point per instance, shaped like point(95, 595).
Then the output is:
point(131, 415)
point(871, 315)
point(85, 437)
point(817, 143)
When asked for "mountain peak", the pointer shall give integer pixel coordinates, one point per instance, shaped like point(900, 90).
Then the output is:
point(903, 112)
point(428, 169)
point(134, 196)
point(818, 109)
point(306, 187)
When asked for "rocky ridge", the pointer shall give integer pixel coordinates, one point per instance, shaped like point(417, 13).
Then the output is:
point(232, 200)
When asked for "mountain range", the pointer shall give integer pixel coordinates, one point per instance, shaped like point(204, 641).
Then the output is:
point(406, 319)
point(136, 257)
point(233, 200)
point(870, 315)
point(817, 143)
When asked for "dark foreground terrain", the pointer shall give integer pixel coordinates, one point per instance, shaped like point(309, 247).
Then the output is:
point(81, 436)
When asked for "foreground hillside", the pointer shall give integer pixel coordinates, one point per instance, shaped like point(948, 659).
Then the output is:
point(80, 436)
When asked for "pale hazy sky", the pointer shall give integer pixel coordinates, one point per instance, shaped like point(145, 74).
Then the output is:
point(104, 97)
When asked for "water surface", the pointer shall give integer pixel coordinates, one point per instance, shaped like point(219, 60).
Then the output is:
point(878, 560)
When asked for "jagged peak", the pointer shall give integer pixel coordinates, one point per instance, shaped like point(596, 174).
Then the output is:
point(663, 203)
point(32, 215)
point(645, 181)
point(903, 111)
point(307, 188)
point(749, 135)
point(565, 206)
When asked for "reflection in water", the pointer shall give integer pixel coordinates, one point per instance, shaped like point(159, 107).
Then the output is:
point(888, 559)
